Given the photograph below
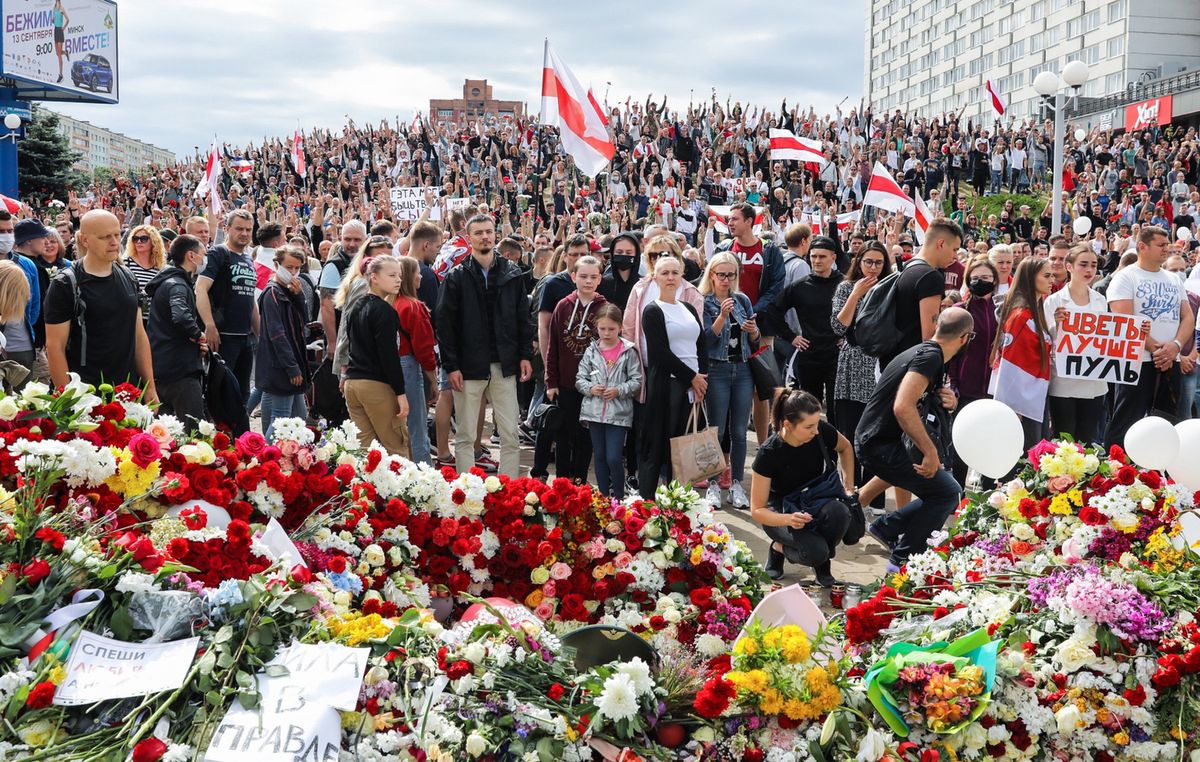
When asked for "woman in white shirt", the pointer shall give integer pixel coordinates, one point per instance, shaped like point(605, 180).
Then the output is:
point(1076, 405)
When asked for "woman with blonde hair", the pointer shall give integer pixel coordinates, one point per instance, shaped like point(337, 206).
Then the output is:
point(145, 255)
point(14, 295)
point(646, 291)
point(353, 287)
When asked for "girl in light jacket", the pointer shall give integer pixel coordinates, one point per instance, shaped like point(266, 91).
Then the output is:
point(609, 378)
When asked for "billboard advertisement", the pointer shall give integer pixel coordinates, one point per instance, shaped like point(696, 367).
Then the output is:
point(1148, 114)
point(63, 45)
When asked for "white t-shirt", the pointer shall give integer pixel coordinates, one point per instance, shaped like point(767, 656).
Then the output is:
point(1075, 388)
point(1017, 158)
point(682, 332)
point(1156, 295)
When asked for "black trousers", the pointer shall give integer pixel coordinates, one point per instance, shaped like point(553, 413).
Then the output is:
point(818, 380)
point(1155, 389)
point(848, 414)
point(237, 350)
point(816, 543)
point(1078, 417)
point(573, 443)
point(184, 399)
point(654, 461)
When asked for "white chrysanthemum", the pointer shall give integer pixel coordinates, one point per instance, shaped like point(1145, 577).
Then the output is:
point(639, 674)
point(177, 752)
point(291, 428)
point(138, 413)
point(618, 699)
point(86, 464)
point(133, 582)
point(267, 500)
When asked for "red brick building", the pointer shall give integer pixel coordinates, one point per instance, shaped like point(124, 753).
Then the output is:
point(476, 103)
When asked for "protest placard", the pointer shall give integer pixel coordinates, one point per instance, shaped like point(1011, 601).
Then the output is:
point(408, 203)
point(297, 719)
point(1100, 346)
point(101, 668)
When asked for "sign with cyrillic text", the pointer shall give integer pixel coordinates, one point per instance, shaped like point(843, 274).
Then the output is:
point(408, 203)
point(100, 668)
point(1100, 346)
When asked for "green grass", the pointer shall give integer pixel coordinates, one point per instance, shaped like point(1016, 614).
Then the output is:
point(985, 205)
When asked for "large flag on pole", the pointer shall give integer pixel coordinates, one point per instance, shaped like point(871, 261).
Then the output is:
point(298, 153)
point(785, 146)
point(209, 185)
point(997, 102)
point(570, 107)
point(883, 192)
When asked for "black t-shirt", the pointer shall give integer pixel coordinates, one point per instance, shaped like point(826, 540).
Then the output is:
point(556, 288)
point(879, 422)
point(232, 292)
point(917, 281)
point(111, 317)
point(427, 292)
point(790, 468)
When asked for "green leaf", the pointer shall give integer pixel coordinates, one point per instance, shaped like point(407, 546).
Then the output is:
point(121, 623)
point(13, 635)
point(301, 601)
point(244, 680)
point(214, 698)
point(814, 749)
point(249, 699)
point(224, 635)
point(108, 570)
point(7, 588)
point(225, 660)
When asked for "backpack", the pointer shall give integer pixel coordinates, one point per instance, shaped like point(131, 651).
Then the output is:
point(875, 330)
point(69, 275)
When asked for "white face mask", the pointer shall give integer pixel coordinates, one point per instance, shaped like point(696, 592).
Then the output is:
point(285, 276)
point(7, 241)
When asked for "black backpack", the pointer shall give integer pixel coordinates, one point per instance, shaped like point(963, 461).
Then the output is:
point(876, 329)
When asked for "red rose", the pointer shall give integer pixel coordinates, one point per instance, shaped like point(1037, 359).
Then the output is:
point(1092, 517)
point(148, 750)
point(41, 695)
point(301, 575)
point(35, 571)
point(702, 597)
point(1151, 479)
point(144, 449)
point(1126, 475)
point(251, 444)
point(337, 564)
point(555, 692)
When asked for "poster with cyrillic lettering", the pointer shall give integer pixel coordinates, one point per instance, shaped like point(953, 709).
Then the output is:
point(101, 668)
point(1100, 346)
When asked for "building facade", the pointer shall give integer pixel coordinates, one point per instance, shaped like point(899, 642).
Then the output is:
point(475, 104)
point(105, 148)
point(930, 57)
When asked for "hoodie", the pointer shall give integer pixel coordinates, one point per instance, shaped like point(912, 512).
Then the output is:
point(174, 325)
point(812, 299)
point(572, 331)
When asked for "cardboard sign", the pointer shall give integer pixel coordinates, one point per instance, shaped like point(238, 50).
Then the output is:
point(100, 668)
point(408, 203)
point(1101, 346)
point(297, 720)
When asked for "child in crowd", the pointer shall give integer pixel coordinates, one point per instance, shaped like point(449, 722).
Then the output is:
point(610, 379)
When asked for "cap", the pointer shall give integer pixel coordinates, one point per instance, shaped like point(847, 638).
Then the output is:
point(823, 242)
point(27, 230)
point(593, 245)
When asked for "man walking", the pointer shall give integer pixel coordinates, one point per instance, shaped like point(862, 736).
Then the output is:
point(225, 298)
point(177, 340)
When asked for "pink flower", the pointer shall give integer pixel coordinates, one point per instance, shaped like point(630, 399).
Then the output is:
point(144, 449)
point(623, 559)
point(304, 459)
point(548, 589)
point(251, 444)
point(560, 571)
point(289, 448)
point(1072, 551)
point(1060, 484)
point(544, 610)
point(1040, 449)
point(158, 430)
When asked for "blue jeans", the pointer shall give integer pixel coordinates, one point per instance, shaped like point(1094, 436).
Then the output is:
point(996, 180)
point(608, 454)
point(418, 415)
point(730, 397)
point(255, 400)
point(1189, 396)
point(281, 406)
point(934, 499)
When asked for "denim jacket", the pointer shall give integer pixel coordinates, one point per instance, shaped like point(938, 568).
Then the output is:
point(718, 343)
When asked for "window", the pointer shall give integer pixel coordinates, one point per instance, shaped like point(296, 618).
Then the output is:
point(1116, 47)
point(1038, 10)
point(1116, 10)
point(1037, 42)
point(1091, 21)
point(1052, 35)
point(1112, 83)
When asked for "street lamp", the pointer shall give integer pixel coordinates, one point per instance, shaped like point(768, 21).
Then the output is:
point(1050, 85)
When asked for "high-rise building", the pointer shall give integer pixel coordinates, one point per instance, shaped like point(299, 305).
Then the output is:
point(933, 56)
point(475, 104)
point(102, 147)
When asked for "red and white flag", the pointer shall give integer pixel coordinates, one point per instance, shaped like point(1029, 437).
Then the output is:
point(785, 146)
point(242, 166)
point(298, 153)
point(922, 217)
point(209, 186)
point(718, 219)
point(1020, 376)
point(11, 204)
point(997, 102)
point(569, 106)
point(883, 192)
point(845, 221)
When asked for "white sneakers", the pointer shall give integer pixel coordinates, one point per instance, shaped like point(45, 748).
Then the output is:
point(712, 495)
point(737, 496)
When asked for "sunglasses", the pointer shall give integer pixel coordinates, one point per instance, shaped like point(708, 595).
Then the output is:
point(141, 239)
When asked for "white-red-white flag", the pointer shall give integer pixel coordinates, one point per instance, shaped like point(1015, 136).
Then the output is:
point(922, 217)
point(209, 186)
point(10, 204)
point(298, 153)
point(885, 193)
point(845, 221)
point(569, 106)
point(718, 218)
point(785, 146)
point(997, 102)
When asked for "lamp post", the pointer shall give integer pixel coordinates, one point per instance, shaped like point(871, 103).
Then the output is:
point(1050, 85)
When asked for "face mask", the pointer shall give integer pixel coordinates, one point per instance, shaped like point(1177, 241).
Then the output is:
point(285, 277)
point(203, 264)
point(980, 287)
point(7, 241)
point(622, 263)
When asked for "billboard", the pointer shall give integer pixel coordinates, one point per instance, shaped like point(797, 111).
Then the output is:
point(66, 47)
point(1148, 114)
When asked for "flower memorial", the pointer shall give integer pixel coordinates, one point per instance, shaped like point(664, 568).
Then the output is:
point(319, 600)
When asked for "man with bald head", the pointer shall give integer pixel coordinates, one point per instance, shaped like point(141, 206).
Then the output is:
point(93, 318)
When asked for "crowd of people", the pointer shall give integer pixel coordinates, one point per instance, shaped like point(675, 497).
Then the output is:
point(596, 318)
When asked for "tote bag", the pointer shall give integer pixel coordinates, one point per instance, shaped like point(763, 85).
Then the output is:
point(696, 454)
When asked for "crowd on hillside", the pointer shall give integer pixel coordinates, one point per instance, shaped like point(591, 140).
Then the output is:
point(597, 318)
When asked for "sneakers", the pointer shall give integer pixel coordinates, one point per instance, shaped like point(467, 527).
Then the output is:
point(824, 574)
point(774, 565)
point(713, 495)
point(486, 463)
point(631, 484)
point(726, 479)
point(737, 497)
point(443, 461)
point(877, 532)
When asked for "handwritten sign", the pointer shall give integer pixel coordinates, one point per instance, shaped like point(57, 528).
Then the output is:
point(297, 720)
point(100, 668)
point(408, 203)
point(1100, 346)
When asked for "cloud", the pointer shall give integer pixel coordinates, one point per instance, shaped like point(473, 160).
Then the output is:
point(243, 70)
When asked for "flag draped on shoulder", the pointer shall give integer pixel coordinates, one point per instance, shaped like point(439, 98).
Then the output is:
point(718, 218)
point(997, 102)
point(571, 108)
point(785, 146)
point(209, 186)
point(883, 192)
point(1020, 377)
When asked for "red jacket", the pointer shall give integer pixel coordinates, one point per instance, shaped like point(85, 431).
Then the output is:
point(416, 331)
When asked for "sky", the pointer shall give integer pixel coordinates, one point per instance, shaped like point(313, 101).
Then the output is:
point(245, 69)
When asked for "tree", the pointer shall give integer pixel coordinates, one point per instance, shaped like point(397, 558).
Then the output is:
point(44, 158)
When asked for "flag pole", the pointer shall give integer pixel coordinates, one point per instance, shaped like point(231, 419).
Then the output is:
point(537, 174)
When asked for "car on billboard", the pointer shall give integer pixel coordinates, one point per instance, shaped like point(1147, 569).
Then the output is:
point(93, 72)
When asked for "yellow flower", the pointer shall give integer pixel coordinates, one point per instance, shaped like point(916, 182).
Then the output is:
point(1121, 739)
point(57, 675)
point(898, 580)
point(1076, 497)
point(355, 628)
point(796, 648)
point(745, 647)
point(1060, 505)
point(533, 599)
point(772, 702)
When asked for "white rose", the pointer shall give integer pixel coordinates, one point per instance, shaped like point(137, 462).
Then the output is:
point(474, 652)
point(653, 530)
point(974, 736)
point(476, 745)
point(872, 747)
point(491, 484)
point(672, 615)
point(1075, 652)
point(659, 559)
point(996, 500)
point(9, 409)
point(1023, 532)
point(1068, 719)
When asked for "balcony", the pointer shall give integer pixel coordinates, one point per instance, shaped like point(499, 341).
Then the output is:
point(1188, 80)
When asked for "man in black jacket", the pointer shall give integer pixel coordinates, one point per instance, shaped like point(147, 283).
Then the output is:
point(177, 340)
point(485, 335)
point(812, 299)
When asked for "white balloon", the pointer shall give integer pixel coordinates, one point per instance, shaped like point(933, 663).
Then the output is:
point(1186, 468)
point(1184, 234)
point(1080, 134)
point(1152, 443)
point(987, 437)
point(1082, 225)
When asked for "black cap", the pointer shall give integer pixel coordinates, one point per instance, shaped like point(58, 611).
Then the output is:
point(823, 242)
